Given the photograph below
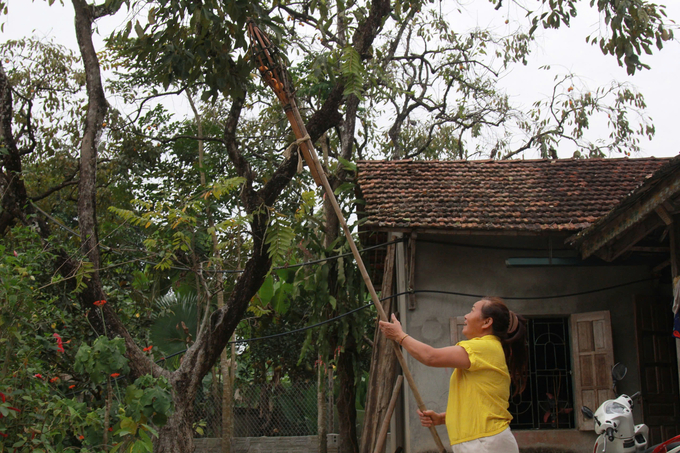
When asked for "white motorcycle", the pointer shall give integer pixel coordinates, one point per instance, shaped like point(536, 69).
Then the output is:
point(617, 432)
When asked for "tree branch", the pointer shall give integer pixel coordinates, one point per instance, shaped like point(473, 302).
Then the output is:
point(69, 182)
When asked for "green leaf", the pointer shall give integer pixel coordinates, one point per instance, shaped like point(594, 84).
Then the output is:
point(267, 290)
point(279, 238)
point(150, 429)
point(352, 72)
point(146, 441)
point(347, 165)
point(139, 447)
point(281, 300)
point(159, 419)
point(162, 403)
point(128, 424)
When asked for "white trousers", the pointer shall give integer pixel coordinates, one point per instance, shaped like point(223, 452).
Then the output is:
point(503, 442)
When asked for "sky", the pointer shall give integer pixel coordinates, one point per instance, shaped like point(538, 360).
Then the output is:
point(564, 50)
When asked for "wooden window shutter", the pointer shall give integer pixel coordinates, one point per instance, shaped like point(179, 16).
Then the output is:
point(593, 359)
point(456, 329)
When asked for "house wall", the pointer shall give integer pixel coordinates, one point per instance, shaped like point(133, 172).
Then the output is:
point(482, 270)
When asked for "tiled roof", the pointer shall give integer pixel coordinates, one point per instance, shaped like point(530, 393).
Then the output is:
point(648, 186)
point(517, 195)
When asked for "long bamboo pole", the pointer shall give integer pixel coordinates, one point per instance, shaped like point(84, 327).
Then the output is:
point(380, 445)
point(275, 75)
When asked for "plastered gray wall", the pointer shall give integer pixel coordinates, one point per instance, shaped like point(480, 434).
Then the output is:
point(482, 270)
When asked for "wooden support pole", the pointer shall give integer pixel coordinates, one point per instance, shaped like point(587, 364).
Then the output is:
point(379, 447)
point(412, 270)
point(383, 371)
point(321, 421)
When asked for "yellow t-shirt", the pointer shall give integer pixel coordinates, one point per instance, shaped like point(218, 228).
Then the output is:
point(478, 397)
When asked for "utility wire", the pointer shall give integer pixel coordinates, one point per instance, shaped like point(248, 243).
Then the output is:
point(302, 329)
point(229, 271)
point(309, 263)
point(556, 296)
point(423, 291)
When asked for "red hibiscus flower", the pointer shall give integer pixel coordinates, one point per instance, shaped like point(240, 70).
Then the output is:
point(39, 376)
point(99, 303)
point(54, 379)
point(148, 348)
point(115, 375)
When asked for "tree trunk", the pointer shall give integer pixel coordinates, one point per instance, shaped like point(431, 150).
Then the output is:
point(346, 403)
point(177, 435)
point(97, 108)
point(347, 414)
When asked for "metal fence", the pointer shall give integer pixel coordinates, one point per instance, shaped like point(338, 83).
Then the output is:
point(208, 409)
point(282, 409)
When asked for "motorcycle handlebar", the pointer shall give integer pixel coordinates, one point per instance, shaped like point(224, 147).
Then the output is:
point(610, 434)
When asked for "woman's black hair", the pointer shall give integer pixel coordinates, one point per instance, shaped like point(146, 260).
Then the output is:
point(514, 343)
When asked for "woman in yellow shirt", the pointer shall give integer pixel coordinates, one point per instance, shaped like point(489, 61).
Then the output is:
point(494, 356)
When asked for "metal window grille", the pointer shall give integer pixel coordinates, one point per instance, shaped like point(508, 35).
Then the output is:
point(547, 401)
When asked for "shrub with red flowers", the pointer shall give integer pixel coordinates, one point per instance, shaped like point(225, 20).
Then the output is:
point(44, 379)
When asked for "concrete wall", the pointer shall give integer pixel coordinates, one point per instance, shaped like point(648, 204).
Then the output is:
point(477, 270)
point(300, 444)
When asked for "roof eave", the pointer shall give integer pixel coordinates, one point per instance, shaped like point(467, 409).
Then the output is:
point(661, 187)
point(472, 231)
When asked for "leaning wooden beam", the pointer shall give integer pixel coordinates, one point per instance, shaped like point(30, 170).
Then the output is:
point(275, 74)
point(664, 214)
point(379, 447)
point(383, 371)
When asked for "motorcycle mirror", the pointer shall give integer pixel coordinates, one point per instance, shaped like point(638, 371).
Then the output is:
point(587, 413)
point(619, 371)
